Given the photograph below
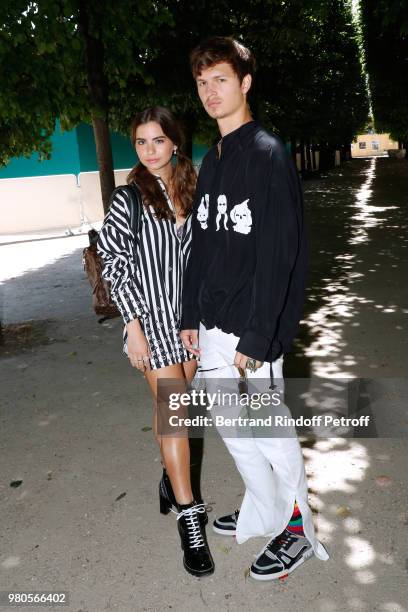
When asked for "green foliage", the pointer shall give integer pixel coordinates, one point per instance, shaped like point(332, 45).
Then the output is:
point(385, 35)
point(310, 74)
point(43, 65)
point(309, 84)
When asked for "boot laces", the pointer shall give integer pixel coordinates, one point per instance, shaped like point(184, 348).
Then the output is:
point(195, 535)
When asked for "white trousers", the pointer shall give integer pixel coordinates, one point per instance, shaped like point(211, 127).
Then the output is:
point(272, 467)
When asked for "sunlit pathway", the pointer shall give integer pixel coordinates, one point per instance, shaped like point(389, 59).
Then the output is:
point(355, 326)
point(356, 319)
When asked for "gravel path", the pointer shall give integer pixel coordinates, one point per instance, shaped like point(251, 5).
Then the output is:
point(75, 424)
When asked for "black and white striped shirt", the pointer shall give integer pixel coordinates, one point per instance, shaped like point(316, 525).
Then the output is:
point(146, 275)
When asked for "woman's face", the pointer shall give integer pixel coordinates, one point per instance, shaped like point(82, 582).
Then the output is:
point(154, 148)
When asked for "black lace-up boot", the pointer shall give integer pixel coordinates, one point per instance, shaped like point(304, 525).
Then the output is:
point(166, 495)
point(197, 556)
point(168, 499)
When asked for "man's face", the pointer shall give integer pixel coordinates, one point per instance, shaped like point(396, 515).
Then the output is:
point(220, 90)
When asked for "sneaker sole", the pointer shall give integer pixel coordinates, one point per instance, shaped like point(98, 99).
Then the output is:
point(224, 532)
point(306, 556)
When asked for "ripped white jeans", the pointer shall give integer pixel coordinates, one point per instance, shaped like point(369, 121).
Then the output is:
point(271, 467)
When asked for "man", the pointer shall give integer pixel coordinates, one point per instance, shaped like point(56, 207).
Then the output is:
point(243, 296)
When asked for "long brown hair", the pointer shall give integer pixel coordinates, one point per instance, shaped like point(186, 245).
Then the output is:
point(183, 178)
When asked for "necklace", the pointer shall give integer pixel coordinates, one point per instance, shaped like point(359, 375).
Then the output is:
point(179, 215)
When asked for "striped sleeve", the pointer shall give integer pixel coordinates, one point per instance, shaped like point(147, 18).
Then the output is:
point(116, 249)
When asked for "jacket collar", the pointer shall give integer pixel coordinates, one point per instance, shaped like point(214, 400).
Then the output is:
point(237, 137)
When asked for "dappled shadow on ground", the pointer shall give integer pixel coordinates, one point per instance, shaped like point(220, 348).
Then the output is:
point(355, 325)
point(23, 336)
point(358, 492)
point(356, 308)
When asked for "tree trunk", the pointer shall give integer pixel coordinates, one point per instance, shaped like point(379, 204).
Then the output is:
point(293, 148)
point(322, 157)
point(105, 160)
point(327, 155)
point(98, 93)
point(309, 166)
point(302, 157)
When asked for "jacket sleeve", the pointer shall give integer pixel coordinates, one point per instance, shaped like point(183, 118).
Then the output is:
point(116, 247)
point(279, 281)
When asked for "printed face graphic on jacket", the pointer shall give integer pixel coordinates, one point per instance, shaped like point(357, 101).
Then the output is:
point(202, 212)
point(240, 214)
point(242, 218)
point(222, 212)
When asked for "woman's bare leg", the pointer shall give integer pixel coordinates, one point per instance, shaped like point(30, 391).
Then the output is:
point(189, 369)
point(175, 451)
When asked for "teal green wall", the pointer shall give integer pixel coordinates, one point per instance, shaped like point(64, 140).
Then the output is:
point(198, 153)
point(74, 152)
point(124, 155)
point(86, 147)
point(64, 160)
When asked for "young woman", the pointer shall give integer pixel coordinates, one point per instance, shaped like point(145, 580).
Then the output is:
point(146, 273)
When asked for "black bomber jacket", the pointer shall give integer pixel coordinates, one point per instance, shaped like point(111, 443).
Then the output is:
point(247, 268)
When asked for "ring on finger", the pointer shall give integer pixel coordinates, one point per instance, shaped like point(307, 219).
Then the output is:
point(251, 364)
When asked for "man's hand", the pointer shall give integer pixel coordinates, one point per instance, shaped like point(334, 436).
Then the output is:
point(189, 338)
point(241, 362)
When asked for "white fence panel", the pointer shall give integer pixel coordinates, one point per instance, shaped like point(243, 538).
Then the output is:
point(48, 203)
point(39, 203)
point(92, 208)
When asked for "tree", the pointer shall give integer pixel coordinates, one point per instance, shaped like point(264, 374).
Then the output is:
point(311, 77)
point(309, 85)
point(75, 60)
point(385, 36)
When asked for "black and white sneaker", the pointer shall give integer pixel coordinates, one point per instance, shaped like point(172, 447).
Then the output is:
point(226, 525)
point(281, 556)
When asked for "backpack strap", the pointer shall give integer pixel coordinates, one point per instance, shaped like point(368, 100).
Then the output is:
point(136, 209)
point(136, 205)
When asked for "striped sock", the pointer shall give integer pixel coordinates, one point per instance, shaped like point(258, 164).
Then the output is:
point(295, 524)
